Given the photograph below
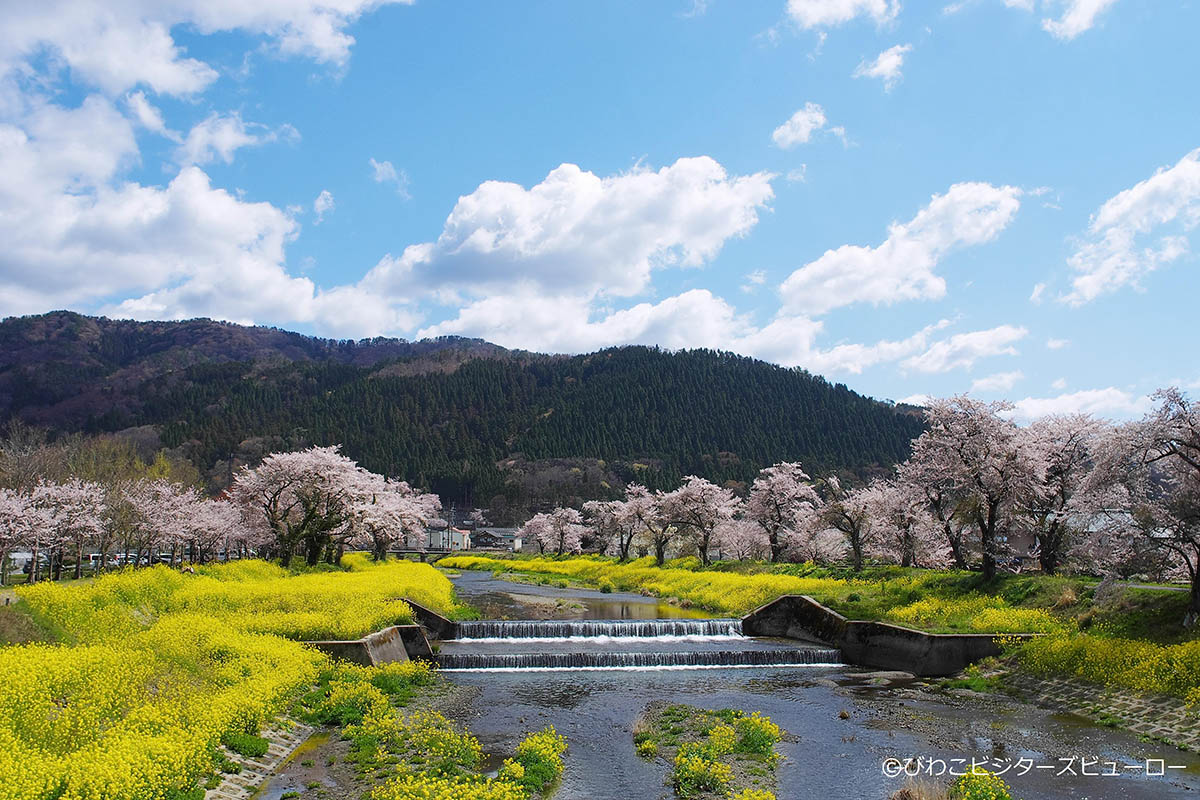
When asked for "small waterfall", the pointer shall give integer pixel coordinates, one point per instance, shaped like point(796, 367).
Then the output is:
point(545, 630)
point(638, 660)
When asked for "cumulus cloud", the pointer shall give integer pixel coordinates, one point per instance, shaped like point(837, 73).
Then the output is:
point(578, 232)
point(76, 234)
point(219, 136)
point(386, 172)
point(1108, 402)
point(1077, 16)
point(117, 45)
point(148, 115)
point(902, 267)
point(801, 126)
point(962, 350)
point(886, 67)
point(1057, 344)
point(828, 13)
point(322, 205)
point(1138, 231)
point(999, 382)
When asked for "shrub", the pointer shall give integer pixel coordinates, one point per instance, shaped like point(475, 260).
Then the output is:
point(979, 785)
point(757, 734)
point(695, 773)
point(541, 756)
point(246, 744)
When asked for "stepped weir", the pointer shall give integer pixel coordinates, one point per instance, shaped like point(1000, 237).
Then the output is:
point(643, 644)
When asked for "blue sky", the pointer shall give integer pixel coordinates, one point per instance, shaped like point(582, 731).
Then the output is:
point(994, 196)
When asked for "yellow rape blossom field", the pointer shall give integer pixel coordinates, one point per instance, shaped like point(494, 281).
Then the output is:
point(736, 594)
point(154, 666)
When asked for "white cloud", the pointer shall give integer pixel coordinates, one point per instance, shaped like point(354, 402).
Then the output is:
point(801, 126)
point(962, 350)
point(76, 234)
point(887, 66)
point(828, 13)
point(218, 137)
point(386, 172)
point(1138, 231)
point(798, 175)
point(754, 280)
point(901, 268)
point(999, 382)
point(580, 233)
point(1109, 402)
point(322, 205)
point(1077, 17)
point(148, 116)
point(1035, 296)
point(526, 317)
point(119, 44)
point(1057, 344)
point(1059, 384)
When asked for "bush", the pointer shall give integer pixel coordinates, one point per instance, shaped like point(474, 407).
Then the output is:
point(757, 734)
point(979, 785)
point(695, 773)
point(246, 744)
point(541, 756)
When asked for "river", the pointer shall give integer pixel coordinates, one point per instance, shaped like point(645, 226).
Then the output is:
point(825, 756)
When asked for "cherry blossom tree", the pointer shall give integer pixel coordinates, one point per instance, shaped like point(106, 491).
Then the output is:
point(904, 530)
point(537, 529)
point(21, 520)
point(1054, 509)
point(781, 501)
point(1154, 465)
point(161, 515)
point(699, 507)
point(303, 497)
point(566, 530)
point(984, 463)
point(742, 539)
point(937, 493)
point(849, 511)
point(73, 515)
point(614, 523)
point(647, 508)
point(208, 525)
point(392, 511)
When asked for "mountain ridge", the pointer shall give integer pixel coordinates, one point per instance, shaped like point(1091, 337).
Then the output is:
point(472, 420)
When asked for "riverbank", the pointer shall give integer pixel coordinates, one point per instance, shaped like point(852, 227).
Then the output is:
point(1107, 636)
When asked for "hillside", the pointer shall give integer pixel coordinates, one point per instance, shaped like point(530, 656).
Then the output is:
point(477, 423)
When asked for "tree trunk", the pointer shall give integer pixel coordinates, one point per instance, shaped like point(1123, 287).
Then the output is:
point(776, 546)
point(1047, 556)
point(856, 552)
point(78, 560)
point(1193, 610)
point(987, 536)
point(660, 551)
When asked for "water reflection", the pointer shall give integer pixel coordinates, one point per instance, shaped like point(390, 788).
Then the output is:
point(501, 599)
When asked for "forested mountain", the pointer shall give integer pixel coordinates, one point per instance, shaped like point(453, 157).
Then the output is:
point(477, 423)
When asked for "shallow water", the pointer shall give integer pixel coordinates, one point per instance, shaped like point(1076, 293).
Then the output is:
point(825, 757)
point(500, 599)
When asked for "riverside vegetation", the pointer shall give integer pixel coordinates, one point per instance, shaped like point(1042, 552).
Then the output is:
point(719, 753)
point(152, 673)
point(1131, 640)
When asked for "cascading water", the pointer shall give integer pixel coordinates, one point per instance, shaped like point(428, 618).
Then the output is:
point(619, 644)
point(549, 630)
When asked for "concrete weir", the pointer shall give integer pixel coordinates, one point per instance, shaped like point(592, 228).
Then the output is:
point(395, 643)
point(879, 645)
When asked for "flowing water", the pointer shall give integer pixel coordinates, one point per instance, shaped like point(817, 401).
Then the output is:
point(589, 663)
